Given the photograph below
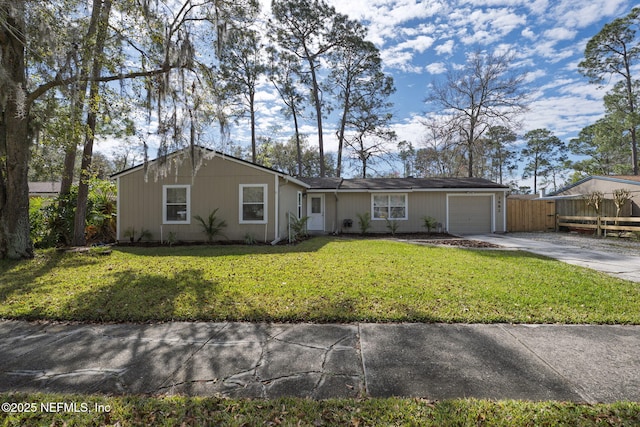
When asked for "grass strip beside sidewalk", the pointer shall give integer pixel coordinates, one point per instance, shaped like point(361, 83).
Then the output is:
point(50, 409)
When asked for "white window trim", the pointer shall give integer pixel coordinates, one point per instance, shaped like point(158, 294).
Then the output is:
point(187, 220)
point(299, 204)
point(406, 206)
point(265, 220)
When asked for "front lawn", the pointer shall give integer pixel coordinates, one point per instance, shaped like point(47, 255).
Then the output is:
point(321, 280)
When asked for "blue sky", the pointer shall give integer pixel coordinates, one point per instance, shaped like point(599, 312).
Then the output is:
point(419, 39)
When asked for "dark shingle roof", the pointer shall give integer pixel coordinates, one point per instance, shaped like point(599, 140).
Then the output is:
point(398, 183)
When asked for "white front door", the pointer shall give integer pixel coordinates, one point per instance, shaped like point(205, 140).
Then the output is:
point(315, 212)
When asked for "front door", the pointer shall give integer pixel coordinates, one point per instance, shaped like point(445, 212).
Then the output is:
point(315, 212)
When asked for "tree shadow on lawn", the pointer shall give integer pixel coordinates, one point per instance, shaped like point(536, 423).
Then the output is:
point(21, 276)
point(313, 244)
point(136, 297)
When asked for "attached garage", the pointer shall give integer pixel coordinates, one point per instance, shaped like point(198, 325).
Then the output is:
point(470, 213)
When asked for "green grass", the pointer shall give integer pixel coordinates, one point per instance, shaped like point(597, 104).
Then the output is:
point(193, 411)
point(321, 280)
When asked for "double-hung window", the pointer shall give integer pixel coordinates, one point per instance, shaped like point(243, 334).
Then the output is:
point(253, 203)
point(389, 206)
point(176, 204)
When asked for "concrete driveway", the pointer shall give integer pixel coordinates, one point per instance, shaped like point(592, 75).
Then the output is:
point(624, 264)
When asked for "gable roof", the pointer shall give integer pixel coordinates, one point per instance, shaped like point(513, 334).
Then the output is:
point(400, 184)
point(209, 153)
point(623, 179)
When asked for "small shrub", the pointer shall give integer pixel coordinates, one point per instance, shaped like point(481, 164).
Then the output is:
point(429, 223)
point(145, 234)
point(130, 233)
point(212, 226)
point(297, 227)
point(392, 225)
point(364, 222)
point(39, 222)
point(171, 238)
point(250, 239)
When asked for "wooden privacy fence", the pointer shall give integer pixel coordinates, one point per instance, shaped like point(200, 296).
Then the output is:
point(599, 223)
point(531, 215)
point(540, 214)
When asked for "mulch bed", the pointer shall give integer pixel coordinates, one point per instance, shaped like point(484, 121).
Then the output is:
point(463, 243)
point(437, 239)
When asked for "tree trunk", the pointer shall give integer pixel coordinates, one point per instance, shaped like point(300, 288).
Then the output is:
point(252, 114)
point(634, 151)
point(632, 110)
point(79, 102)
point(318, 106)
point(15, 242)
point(298, 145)
point(80, 218)
point(341, 131)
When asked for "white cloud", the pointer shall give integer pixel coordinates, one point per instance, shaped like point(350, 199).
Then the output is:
point(528, 33)
point(538, 7)
point(395, 58)
point(560, 33)
point(410, 129)
point(583, 14)
point(445, 48)
point(535, 75)
point(419, 44)
point(436, 68)
point(565, 115)
point(486, 26)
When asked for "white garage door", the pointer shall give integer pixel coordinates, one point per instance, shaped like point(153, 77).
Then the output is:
point(470, 214)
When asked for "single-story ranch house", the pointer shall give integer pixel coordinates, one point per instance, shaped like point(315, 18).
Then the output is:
point(258, 201)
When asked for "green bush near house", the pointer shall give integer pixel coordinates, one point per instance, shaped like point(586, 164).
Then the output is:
point(297, 227)
point(392, 225)
point(429, 223)
point(212, 225)
point(51, 220)
point(364, 222)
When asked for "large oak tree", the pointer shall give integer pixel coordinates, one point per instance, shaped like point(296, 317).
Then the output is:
point(37, 54)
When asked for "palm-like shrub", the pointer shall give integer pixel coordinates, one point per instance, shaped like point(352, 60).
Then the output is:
point(212, 226)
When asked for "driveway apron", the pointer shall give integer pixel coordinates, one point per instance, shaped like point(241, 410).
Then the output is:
point(618, 265)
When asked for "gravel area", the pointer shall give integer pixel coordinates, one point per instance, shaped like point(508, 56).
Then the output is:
point(621, 245)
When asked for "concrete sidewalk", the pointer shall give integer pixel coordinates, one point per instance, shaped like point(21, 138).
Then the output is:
point(434, 361)
point(622, 266)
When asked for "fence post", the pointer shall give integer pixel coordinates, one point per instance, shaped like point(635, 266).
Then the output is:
point(557, 220)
